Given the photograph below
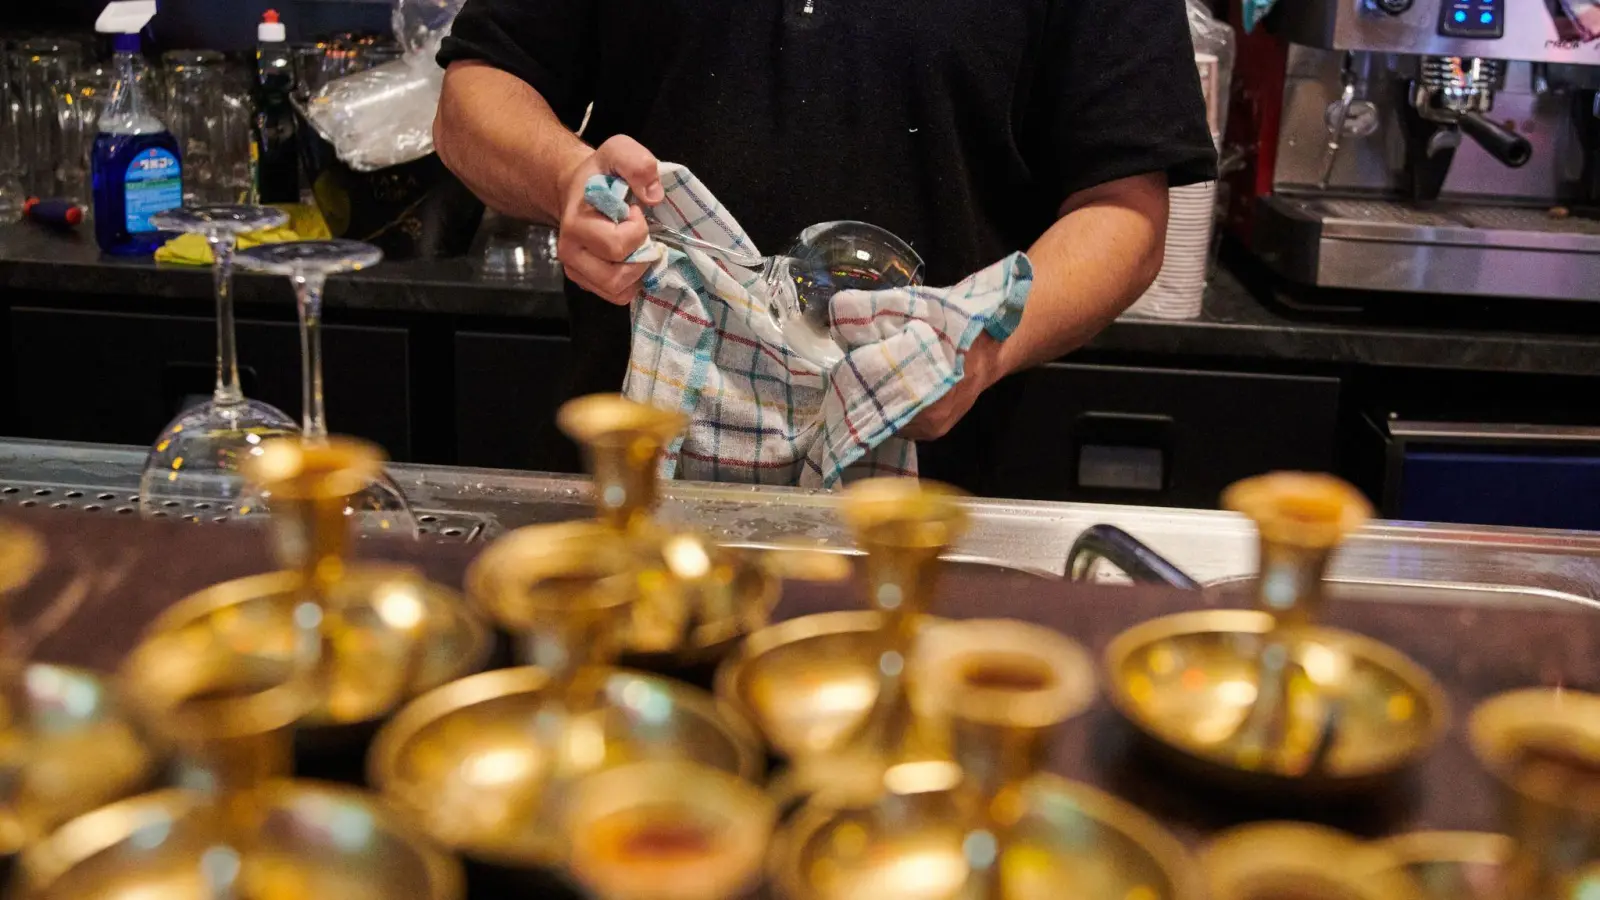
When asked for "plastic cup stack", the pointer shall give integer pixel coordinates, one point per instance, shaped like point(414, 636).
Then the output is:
point(1180, 288)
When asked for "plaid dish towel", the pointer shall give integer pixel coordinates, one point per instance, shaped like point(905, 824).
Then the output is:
point(705, 342)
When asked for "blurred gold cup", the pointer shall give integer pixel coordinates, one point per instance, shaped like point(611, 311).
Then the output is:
point(1542, 746)
point(667, 830)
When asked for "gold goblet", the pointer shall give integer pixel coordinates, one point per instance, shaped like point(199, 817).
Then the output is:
point(385, 634)
point(65, 744)
point(250, 831)
point(1453, 865)
point(667, 830)
point(984, 824)
point(696, 598)
point(486, 764)
point(1268, 860)
point(1264, 698)
point(1542, 746)
point(829, 691)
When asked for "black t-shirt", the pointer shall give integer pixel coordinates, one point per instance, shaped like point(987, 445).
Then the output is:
point(960, 125)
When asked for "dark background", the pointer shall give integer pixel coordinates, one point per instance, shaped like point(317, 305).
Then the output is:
point(214, 24)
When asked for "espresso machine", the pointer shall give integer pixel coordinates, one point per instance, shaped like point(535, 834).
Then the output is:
point(1430, 146)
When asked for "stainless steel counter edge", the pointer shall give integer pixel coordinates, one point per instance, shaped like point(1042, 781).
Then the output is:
point(1394, 561)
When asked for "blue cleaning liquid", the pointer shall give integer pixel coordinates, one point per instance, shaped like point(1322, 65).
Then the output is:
point(136, 166)
point(135, 177)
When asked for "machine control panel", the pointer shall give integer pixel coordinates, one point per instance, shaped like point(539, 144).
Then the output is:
point(1476, 19)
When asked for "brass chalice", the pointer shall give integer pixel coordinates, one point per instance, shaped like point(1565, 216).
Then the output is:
point(248, 831)
point(829, 691)
point(386, 634)
point(66, 745)
point(984, 823)
point(1452, 865)
point(696, 599)
point(485, 764)
point(1271, 860)
point(1265, 698)
point(1542, 745)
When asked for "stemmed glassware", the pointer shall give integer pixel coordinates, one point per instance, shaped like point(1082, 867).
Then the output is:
point(381, 507)
point(823, 260)
point(197, 457)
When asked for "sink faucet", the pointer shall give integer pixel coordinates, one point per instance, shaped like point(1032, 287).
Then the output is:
point(1123, 550)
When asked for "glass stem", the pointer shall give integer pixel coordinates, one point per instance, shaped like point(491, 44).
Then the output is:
point(308, 291)
point(228, 392)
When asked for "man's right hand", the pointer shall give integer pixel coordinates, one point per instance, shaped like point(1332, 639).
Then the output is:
point(591, 246)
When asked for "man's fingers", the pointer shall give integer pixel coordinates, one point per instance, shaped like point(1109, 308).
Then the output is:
point(611, 241)
point(619, 240)
point(611, 282)
point(637, 166)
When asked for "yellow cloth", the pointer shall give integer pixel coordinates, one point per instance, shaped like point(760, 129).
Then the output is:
point(305, 224)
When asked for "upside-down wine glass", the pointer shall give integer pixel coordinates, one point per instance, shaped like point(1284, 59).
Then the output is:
point(194, 466)
point(381, 508)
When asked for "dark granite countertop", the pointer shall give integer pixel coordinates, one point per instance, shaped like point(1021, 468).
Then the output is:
point(43, 261)
point(1248, 316)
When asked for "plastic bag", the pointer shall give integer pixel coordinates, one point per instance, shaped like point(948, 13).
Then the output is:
point(383, 116)
point(1213, 54)
point(419, 25)
point(380, 117)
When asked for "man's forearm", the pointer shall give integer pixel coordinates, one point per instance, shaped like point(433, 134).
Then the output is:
point(1099, 257)
point(505, 142)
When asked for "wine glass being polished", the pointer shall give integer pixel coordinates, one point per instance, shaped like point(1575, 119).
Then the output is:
point(193, 468)
point(823, 260)
point(381, 508)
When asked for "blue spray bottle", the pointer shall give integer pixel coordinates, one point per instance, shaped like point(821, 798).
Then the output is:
point(136, 165)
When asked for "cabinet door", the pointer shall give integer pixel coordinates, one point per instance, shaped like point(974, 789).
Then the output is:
point(508, 388)
point(119, 378)
point(1156, 436)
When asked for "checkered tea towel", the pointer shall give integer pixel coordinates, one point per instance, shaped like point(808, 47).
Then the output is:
point(705, 342)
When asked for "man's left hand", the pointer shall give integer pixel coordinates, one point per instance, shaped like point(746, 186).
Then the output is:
point(983, 369)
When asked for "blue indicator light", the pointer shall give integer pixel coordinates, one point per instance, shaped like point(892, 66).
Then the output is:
point(1460, 16)
point(1486, 18)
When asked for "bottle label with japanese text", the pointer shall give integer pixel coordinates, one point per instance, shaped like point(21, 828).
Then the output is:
point(153, 184)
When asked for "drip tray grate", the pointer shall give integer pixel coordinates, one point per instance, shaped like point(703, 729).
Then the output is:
point(439, 525)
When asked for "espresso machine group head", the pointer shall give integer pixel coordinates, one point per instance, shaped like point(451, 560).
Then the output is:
point(1433, 146)
point(1452, 96)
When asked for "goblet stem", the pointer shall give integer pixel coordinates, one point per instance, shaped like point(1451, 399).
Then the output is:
point(228, 392)
point(1291, 582)
point(241, 768)
point(576, 653)
point(308, 294)
point(625, 479)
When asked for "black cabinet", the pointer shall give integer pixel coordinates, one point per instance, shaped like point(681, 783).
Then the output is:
point(119, 378)
point(508, 388)
point(1151, 436)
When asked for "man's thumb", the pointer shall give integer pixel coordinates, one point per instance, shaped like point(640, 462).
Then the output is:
point(628, 158)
